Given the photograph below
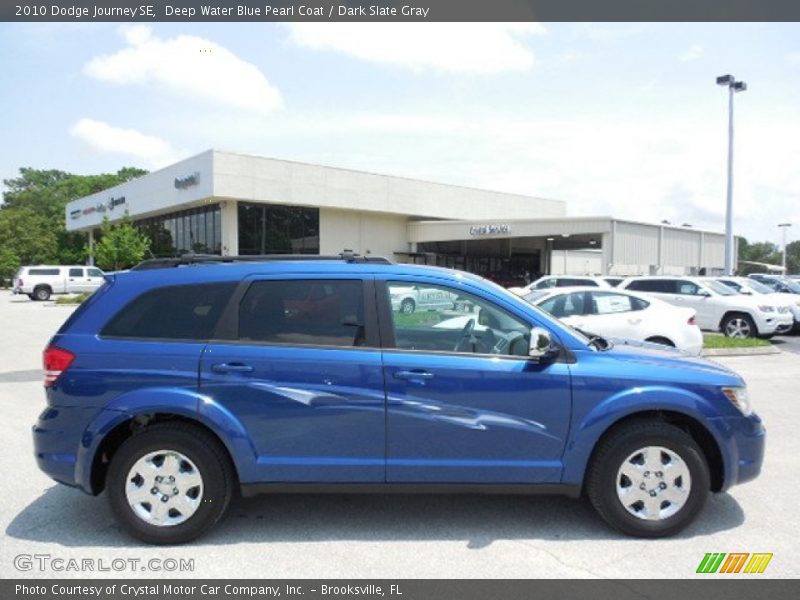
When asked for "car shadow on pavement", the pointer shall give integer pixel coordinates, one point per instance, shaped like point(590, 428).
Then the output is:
point(68, 517)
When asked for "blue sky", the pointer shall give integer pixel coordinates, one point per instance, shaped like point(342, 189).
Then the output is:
point(620, 119)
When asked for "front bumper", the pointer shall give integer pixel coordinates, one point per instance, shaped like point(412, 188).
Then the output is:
point(742, 443)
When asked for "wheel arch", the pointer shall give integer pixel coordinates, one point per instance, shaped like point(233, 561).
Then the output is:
point(689, 424)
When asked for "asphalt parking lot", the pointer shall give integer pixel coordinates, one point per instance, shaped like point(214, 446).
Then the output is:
point(392, 536)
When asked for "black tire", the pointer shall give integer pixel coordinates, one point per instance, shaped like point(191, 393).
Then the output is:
point(613, 450)
point(41, 293)
point(731, 318)
point(203, 449)
point(407, 306)
point(660, 340)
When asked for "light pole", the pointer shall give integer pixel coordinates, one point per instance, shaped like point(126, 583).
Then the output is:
point(784, 227)
point(733, 86)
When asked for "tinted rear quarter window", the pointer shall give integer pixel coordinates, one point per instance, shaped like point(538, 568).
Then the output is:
point(304, 312)
point(185, 312)
point(43, 272)
point(658, 286)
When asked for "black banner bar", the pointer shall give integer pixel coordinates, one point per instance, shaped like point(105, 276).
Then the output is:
point(713, 588)
point(150, 11)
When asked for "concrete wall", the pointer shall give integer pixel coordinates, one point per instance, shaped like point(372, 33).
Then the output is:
point(259, 179)
point(149, 194)
point(375, 233)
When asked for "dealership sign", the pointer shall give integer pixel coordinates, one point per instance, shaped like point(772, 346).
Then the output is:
point(100, 207)
point(181, 183)
point(489, 229)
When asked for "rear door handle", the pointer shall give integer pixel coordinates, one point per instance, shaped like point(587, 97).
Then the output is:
point(413, 375)
point(231, 368)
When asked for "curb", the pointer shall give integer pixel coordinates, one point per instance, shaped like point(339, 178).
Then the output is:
point(757, 351)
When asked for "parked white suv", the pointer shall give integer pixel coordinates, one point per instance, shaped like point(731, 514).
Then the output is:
point(41, 281)
point(785, 302)
point(719, 308)
point(554, 281)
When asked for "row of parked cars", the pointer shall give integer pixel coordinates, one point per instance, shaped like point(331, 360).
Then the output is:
point(671, 310)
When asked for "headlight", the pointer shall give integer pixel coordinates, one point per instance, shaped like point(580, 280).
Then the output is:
point(738, 397)
point(798, 303)
point(766, 308)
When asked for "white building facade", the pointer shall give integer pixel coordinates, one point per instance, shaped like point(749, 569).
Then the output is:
point(230, 204)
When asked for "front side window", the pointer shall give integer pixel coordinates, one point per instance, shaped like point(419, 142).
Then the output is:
point(182, 312)
point(545, 284)
point(95, 273)
point(317, 312)
point(456, 322)
point(566, 305)
point(687, 288)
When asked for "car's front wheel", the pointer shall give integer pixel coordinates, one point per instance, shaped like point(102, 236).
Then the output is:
point(169, 483)
point(648, 479)
point(739, 325)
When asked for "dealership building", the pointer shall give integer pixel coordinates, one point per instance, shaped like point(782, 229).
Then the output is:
point(231, 204)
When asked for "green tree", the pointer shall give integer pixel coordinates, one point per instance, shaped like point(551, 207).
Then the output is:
point(120, 246)
point(9, 263)
point(760, 252)
point(27, 235)
point(793, 257)
point(46, 192)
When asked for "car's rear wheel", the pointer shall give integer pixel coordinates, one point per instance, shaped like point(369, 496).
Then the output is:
point(169, 483)
point(648, 479)
point(42, 293)
point(739, 325)
point(407, 306)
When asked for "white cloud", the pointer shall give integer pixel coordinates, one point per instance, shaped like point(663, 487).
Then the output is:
point(100, 136)
point(458, 47)
point(794, 58)
point(188, 66)
point(693, 52)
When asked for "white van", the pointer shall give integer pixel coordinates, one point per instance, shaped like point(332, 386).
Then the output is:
point(41, 281)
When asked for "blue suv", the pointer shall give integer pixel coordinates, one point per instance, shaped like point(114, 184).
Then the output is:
point(184, 381)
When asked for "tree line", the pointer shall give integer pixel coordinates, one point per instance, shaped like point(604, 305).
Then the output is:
point(33, 228)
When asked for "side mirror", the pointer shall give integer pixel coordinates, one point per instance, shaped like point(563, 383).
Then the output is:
point(541, 345)
point(703, 294)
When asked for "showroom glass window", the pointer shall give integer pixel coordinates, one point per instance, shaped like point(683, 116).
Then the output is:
point(197, 230)
point(277, 229)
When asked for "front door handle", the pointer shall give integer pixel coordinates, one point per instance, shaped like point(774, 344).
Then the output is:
point(418, 375)
point(234, 367)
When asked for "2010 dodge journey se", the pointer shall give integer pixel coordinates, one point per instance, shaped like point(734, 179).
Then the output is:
point(183, 380)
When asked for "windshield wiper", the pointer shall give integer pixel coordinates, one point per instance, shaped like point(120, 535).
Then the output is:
point(595, 340)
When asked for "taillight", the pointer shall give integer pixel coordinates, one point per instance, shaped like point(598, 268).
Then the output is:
point(21, 283)
point(691, 321)
point(56, 360)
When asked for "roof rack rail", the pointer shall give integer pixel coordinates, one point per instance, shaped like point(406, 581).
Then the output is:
point(194, 259)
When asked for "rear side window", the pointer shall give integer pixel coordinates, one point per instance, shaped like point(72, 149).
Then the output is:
point(76, 272)
point(305, 312)
point(183, 312)
point(663, 286)
point(43, 271)
point(570, 282)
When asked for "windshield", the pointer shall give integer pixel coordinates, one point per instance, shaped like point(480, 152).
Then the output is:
point(721, 288)
point(534, 296)
point(792, 285)
point(759, 287)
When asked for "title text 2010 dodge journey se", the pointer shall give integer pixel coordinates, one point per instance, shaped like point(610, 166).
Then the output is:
point(173, 385)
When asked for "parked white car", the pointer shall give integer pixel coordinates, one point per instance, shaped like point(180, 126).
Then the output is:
point(412, 298)
point(719, 308)
point(560, 281)
point(750, 287)
point(42, 281)
point(620, 314)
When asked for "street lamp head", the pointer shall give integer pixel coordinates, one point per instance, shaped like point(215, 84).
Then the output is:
point(784, 224)
point(739, 86)
point(725, 79)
